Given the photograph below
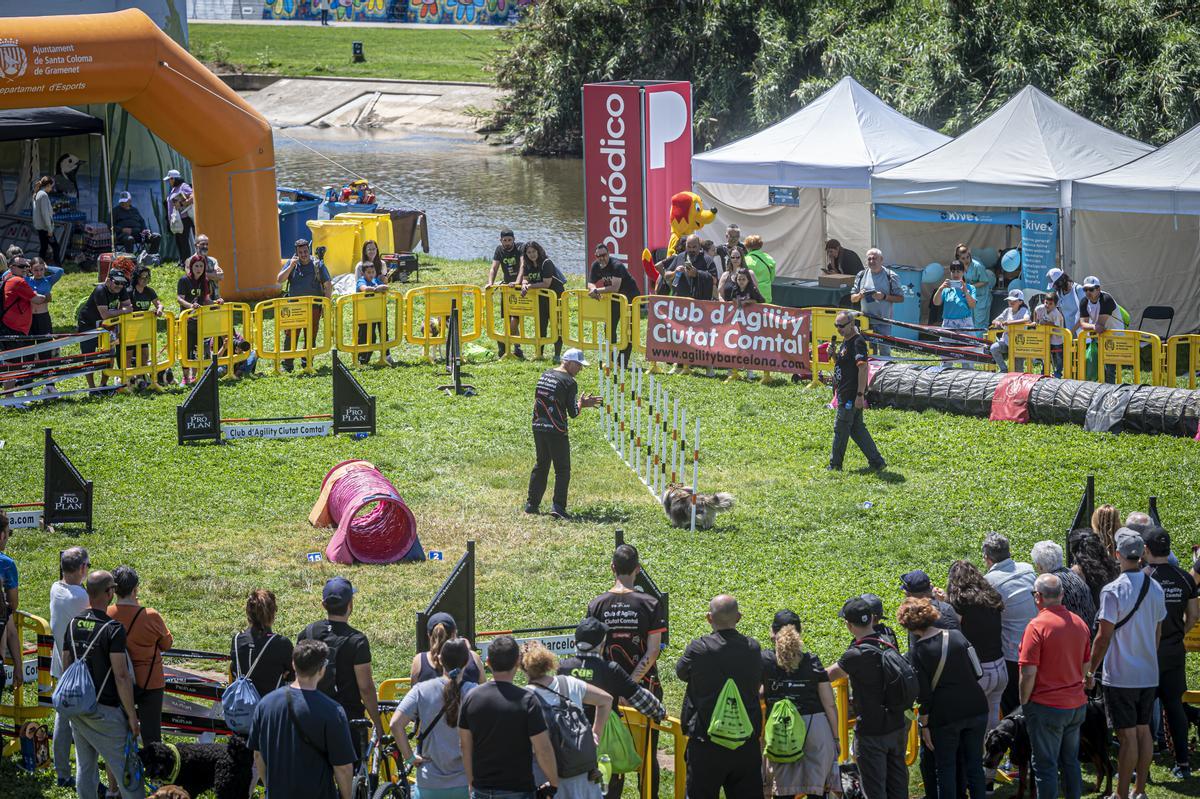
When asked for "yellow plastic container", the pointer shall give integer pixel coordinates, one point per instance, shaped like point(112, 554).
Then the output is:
point(375, 227)
point(342, 240)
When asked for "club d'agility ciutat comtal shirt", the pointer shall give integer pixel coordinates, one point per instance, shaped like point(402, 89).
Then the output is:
point(554, 401)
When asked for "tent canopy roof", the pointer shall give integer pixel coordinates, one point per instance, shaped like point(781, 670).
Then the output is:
point(1166, 181)
point(19, 124)
point(1024, 154)
point(836, 141)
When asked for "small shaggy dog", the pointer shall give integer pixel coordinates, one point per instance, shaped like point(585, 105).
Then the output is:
point(222, 768)
point(1011, 735)
point(170, 792)
point(677, 502)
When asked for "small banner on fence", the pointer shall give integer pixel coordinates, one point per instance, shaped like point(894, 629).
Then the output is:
point(728, 336)
point(24, 519)
point(299, 429)
point(560, 645)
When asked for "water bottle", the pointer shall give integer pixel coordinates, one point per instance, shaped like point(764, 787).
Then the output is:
point(360, 436)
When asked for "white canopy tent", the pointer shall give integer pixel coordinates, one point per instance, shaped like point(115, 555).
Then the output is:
point(828, 150)
point(1138, 230)
point(1024, 155)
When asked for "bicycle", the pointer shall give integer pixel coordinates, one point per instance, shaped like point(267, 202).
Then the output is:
point(382, 771)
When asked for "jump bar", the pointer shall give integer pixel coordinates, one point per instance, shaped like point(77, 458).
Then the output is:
point(279, 418)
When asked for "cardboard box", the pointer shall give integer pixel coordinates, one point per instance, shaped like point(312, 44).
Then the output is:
point(835, 281)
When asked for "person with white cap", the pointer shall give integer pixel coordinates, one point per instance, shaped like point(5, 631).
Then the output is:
point(1016, 313)
point(1099, 312)
point(181, 200)
point(1070, 296)
point(129, 226)
point(554, 402)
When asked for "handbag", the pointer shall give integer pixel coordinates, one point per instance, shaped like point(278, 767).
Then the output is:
point(176, 221)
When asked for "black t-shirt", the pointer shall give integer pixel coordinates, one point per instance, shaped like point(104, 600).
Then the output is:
point(1178, 589)
point(110, 640)
point(958, 695)
point(554, 401)
point(733, 291)
point(614, 271)
point(845, 371)
point(354, 650)
point(272, 664)
point(604, 674)
point(1108, 307)
point(631, 618)
point(101, 298)
point(708, 662)
point(536, 273)
point(295, 766)
point(981, 626)
point(191, 291)
point(801, 685)
point(142, 300)
point(848, 263)
point(501, 718)
point(863, 664)
point(510, 261)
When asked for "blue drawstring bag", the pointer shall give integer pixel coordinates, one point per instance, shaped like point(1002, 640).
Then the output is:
point(75, 694)
point(241, 697)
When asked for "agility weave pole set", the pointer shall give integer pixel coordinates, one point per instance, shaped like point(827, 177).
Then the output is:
point(644, 428)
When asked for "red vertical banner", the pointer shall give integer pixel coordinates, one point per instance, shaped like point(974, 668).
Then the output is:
point(667, 121)
point(613, 172)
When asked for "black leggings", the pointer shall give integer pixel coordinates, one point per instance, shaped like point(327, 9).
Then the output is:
point(183, 239)
point(47, 247)
point(149, 712)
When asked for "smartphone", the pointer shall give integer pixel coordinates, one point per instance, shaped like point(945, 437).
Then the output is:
point(956, 284)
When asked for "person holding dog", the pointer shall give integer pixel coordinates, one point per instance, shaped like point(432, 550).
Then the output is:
point(1054, 654)
point(850, 378)
point(554, 401)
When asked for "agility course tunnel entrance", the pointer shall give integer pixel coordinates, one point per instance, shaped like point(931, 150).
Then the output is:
point(456, 596)
point(123, 57)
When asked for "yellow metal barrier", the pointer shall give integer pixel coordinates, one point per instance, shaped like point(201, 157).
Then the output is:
point(822, 331)
point(394, 689)
point(19, 711)
point(841, 699)
point(507, 310)
point(369, 315)
point(427, 311)
point(140, 353)
point(217, 322)
point(1033, 342)
point(589, 315)
point(1191, 643)
point(294, 319)
point(1120, 348)
point(1192, 366)
point(640, 727)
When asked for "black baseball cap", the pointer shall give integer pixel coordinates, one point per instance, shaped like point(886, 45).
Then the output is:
point(441, 617)
point(1158, 541)
point(339, 591)
point(784, 618)
point(856, 611)
point(915, 582)
point(875, 603)
point(590, 634)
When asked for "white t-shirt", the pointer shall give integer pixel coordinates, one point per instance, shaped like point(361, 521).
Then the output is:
point(579, 786)
point(1021, 315)
point(66, 602)
point(1132, 657)
point(442, 748)
point(1042, 315)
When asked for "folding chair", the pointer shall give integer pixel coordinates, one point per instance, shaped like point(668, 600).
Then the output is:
point(1157, 313)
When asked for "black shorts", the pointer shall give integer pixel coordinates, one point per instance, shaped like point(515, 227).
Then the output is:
point(88, 345)
point(1128, 707)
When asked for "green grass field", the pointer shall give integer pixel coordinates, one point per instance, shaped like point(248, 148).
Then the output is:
point(305, 51)
point(205, 524)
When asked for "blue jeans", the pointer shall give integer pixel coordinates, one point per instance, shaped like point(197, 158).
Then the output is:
point(883, 329)
point(1054, 737)
point(962, 739)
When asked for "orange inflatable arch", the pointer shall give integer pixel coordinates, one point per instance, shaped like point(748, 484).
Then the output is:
point(124, 58)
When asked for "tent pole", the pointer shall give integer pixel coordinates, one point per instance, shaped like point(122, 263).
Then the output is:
point(824, 223)
point(108, 187)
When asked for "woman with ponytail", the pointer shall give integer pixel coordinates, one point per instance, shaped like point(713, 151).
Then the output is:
point(440, 628)
point(789, 672)
point(260, 647)
point(432, 706)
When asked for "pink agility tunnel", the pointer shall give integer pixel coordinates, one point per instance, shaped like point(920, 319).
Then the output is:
point(373, 523)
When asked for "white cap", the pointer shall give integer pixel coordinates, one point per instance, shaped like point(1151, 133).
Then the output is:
point(1052, 277)
point(1091, 281)
point(174, 173)
point(575, 355)
point(1016, 294)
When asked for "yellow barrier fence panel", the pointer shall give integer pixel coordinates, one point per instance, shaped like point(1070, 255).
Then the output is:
point(427, 314)
point(19, 711)
point(823, 332)
point(639, 728)
point(376, 323)
point(1191, 365)
point(142, 354)
point(1120, 349)
point(1035, 344)
point(583, 319)
point(295, 329)
point(212, 329)
point(841, 699)
point(513, 319)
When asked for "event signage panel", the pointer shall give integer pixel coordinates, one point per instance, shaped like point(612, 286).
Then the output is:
point(233, 432)
point(1039, 249)
point(728, 336)
point(783, 195)
point(904, 213)
point(560, 645)
point(24, 519)
point(637, 153)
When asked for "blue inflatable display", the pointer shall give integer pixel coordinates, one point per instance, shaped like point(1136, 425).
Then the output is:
point(988, 256)
point(933, 274)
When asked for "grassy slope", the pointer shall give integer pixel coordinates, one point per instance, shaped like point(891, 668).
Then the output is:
point(302, 51)
point(204, 524)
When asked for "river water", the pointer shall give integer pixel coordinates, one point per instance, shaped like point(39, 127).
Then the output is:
point(468, 189)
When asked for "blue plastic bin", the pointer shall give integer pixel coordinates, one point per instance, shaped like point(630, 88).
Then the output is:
point(909, 310)
point(294, 214)
point(329, 209)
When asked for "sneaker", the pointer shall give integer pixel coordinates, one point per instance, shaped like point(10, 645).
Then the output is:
point(560, 514)
point(531, 508)
point(391, 360)
point(519, 353)
point(287, 366)
point(877, 467)
point(1140, 796)
point(832, 468)
point(711, 372)
point(1181, 772)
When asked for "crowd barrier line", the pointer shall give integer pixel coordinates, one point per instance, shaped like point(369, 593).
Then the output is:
point(1191, 362)
point(218, 323)
point(506, 309)
point(1120, 348)
point(293, 321)
point(140, 353)
point(381, 312)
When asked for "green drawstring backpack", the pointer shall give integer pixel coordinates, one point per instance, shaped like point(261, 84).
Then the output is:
point(730, 724)
point(617, 743)
point(784, 733)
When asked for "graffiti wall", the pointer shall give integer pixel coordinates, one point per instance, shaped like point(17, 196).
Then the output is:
point(432, 12)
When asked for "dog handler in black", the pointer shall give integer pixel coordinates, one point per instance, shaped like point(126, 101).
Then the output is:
point(554, 401)
point(850, 380)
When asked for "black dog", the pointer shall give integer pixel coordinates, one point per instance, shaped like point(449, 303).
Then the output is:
point(221, 768)
point(1011, 736)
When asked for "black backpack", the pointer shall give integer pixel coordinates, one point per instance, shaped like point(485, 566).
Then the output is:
point(900, 686)
point(570, 734)
point(323, 631)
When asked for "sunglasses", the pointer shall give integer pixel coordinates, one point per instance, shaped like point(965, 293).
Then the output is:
point(840, 325)
point(1090, 289)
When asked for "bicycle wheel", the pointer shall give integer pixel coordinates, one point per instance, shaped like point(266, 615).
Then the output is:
point(393, 790)
point(360, 788)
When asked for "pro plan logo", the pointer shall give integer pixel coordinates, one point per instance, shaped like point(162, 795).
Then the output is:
point(199, 422)
point(354, 414)
point(13, 61)
point(68, 502)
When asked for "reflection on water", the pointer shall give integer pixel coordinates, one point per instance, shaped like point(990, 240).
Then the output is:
point(468, 190)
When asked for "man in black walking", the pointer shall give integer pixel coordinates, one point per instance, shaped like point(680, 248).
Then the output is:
point(850, 375)
point(554, 401)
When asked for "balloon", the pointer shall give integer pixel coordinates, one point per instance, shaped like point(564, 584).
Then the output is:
point(1011, 261)
point(934, 273)
point(988, 256)
point(1015, 284)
